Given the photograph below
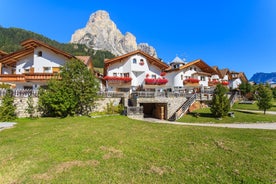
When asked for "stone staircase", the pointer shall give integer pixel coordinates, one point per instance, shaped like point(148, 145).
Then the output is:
point(174, 104)
point(178, 113)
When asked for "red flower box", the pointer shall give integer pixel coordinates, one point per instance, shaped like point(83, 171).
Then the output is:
point(191, 80)
point(158, 81)
point(115, 78)
point(225, 83)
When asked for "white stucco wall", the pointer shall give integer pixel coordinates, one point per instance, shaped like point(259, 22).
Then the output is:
point(234, 84)
point(48, 59)
point(24, 63)
point(136, 71)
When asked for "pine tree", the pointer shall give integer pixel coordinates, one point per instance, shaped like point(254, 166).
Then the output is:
point(220, 104)
point(30, 108)
point(7, 109)
point(264, 96)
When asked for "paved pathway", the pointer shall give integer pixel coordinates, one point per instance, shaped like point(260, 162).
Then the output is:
point(268, 126)
point(5, 125)
point(267, 112)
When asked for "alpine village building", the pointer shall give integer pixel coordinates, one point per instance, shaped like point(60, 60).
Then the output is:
point(33, 65)
point(148, 86)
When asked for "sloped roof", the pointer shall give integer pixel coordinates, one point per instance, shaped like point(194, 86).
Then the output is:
point(216, 68)
point(199, 63)
point(240, 75)
point(2, 53)
point(28, 48)
point(177, 60)
point(202, 73)
point(32, 43)
point(84, 59)
point(224, 71)
point(152, 60)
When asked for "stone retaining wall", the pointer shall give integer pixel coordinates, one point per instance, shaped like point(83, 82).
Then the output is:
point(21, 105)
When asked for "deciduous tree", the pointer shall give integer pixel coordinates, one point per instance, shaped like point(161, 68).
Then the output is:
point(75, 93)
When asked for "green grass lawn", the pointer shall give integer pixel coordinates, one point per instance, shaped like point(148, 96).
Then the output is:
point(252, 106)
point(205, 116)
point(116, 149)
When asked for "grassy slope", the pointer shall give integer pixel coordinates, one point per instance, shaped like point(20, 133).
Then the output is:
point(240, 117)
point(120, 150)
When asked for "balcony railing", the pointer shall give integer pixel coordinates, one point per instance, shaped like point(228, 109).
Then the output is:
point(20, 92)
point(27, 77)
point(117, 80)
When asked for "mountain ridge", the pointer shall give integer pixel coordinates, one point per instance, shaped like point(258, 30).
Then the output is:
point(10, 39)
point(261, 77)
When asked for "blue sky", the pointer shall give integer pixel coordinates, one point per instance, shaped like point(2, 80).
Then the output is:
point(235, 34)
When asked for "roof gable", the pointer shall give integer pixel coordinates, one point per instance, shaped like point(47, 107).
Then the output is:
point(152, 60)
point(200, 64)
point(28, 48)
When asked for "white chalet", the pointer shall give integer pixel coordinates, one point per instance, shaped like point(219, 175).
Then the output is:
point(133, 71)
point(35, 64)
point(236, 79)
point(195, 74)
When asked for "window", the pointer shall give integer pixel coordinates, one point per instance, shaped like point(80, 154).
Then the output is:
point(153, 76)
point(56, 69)
point(39, 53)
point(47, 69)
point(26, 70)
point(134, 61)
point(202, 78)
point(194, 68)
point(126, 74)
point(141, 62)
point(191, 68)
point(114, 74)
point(181, 77)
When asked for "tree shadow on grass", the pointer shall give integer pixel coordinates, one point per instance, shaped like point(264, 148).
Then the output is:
point(246, 112)
point(202, 114)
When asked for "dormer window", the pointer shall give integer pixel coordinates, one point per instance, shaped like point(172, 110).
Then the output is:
point(134, 61)
point(39, 53)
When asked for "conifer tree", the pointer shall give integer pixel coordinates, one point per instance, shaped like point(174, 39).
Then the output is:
point(30, 108)
point(220, 104)
point(264, 96)
point(7, 108)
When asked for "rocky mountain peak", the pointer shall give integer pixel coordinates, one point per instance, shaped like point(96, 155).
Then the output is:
point(99, 16)
point(101, 33)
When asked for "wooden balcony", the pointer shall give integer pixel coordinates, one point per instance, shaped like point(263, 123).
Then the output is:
point(192, 82)
point(27, 77)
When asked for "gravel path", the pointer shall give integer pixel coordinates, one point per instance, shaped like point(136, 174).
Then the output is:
point(5, 125)
point(267, 126)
